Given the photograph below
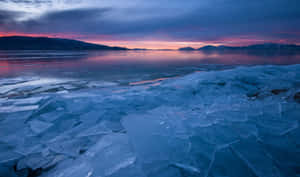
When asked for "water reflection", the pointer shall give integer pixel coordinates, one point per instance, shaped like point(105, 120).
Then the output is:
point(118, 65)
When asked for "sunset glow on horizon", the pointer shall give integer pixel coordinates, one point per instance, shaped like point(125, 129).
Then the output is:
point(155, 24)
point(150, 44)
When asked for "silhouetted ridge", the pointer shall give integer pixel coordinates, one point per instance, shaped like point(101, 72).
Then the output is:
point(187, 48)
point(264, 47)
point(269, 49)
point(45, 43)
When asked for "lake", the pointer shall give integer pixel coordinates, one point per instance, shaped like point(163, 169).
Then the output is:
point(148, 113)
point(127, 65)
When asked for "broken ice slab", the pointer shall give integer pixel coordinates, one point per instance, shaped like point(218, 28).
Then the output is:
point(164, 170)
point(165, 134)
point(85, 125)
point(111, 156)
point(35, 85)
point(290, 111)
point(258, 160)
point(275, 126)
point(227, 163)
point(99, 129)
point(9, 109)
point(217, 134)
point(101, 84)
point(16, 80)
point(34, 161)
point(29, 145)
point(51, 116)
point(187, 168)
point(59, 131)
point(243, 129)
point(38, 126)
point(71, 147)
point(26, 101)
point(78, 106)
point(12, 83)
point(7, 153)
point(202, 154)
point(11, 125)
point(284, 150)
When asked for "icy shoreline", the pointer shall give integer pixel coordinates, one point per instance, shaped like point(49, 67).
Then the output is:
point(238, 122)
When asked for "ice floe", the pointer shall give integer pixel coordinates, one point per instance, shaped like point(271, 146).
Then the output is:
point(236, 122)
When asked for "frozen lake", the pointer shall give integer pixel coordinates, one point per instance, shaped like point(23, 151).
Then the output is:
point(128, 65)
point(149, 114)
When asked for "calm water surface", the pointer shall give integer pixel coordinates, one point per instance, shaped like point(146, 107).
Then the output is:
point(126, 66)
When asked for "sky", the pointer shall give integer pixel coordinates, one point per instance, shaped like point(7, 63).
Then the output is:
point(156, 24)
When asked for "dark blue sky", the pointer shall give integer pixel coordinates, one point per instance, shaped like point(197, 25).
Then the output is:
point(150, 23)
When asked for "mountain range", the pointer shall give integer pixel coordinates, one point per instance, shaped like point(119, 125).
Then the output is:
point(45, 43)
point(267, 47)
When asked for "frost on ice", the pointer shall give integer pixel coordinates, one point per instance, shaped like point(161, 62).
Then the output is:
point(239, 122)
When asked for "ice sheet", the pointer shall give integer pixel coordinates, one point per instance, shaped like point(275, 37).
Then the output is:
point(237, 122)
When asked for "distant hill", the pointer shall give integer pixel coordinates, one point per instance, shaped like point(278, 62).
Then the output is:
point(45, 43)
point(186, 49)
point(269, 49)
point(257, 47)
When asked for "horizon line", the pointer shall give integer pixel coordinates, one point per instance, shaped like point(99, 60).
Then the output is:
point(173, 45)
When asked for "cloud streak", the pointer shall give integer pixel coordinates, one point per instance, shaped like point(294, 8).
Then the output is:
point(213, 20)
